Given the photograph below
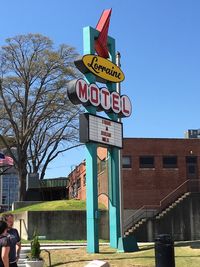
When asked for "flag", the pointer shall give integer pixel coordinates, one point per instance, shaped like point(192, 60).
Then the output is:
point(2, 158)
point(6, 160)
point(9, 160)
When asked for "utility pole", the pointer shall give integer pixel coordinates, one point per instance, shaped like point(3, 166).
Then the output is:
point(118, 89)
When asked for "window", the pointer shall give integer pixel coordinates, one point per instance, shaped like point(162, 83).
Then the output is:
point(84, 179)
point(74, 190)
point(126, 162)
point(191, 159)
point(191, 169)
point(146, 162)
point(4, 199)
point(78, 183)
point(169, 162)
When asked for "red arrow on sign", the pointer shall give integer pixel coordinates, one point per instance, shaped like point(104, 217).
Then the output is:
point(102, 26)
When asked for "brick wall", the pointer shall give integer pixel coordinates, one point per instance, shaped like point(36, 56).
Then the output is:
point(146, 186)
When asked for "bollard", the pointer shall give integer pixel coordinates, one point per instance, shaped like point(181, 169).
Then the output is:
point(164, 251)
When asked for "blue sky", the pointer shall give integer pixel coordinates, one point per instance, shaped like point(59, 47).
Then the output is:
point(159, 42)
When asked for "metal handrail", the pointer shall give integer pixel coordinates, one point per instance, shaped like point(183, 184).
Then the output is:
point(176, 189)
point(49, 255)
point(137, 215)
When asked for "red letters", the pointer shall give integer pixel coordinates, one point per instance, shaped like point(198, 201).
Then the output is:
point(79, 92)
point(126, 107)
point(94, 95)
point(82, 90)
point(105, 98)
point(115, 98)
point(106, 122)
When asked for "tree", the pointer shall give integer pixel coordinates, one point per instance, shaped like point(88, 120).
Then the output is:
point(34, 108)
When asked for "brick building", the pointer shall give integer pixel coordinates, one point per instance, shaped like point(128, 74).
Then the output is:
point(161, 186)
point(152, 168)
point(77, 179)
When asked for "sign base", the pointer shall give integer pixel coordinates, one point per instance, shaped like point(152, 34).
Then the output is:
point(127, 244)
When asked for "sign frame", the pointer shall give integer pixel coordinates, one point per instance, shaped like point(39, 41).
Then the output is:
point(84, 133)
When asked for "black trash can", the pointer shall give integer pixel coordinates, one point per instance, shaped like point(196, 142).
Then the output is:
point(164, 251)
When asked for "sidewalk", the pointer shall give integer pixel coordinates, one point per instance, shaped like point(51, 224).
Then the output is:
point(61, 245)
point(73, 245)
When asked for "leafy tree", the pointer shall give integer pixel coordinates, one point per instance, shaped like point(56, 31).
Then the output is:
point(34, 108)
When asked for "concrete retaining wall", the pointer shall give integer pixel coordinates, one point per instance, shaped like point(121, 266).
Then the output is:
point(58, 225)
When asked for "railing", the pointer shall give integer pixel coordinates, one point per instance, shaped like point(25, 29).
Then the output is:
point(146, 211)
point(49, 255)
point(149, 211)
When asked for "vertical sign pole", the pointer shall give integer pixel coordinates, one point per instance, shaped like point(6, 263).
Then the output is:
point(92, 199)
point(89, 35)
point(91, 164)
point(114, 211)
point(114, 200)
point(118, 89)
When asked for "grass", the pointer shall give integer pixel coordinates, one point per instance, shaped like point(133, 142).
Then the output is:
point(57, 205)
point(186, 256)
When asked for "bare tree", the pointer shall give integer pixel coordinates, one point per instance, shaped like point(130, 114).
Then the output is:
point(34, 108)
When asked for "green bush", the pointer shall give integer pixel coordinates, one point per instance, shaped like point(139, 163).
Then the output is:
point(35, 248)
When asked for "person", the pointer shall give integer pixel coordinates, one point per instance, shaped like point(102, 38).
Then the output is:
point(4, 245)
point(15, 241)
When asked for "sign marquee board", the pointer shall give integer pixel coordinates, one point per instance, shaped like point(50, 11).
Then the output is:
point(104, 69)
point(100, 130)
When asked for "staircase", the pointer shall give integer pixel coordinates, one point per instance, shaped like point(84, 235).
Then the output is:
point(23, 256)
point(157, 215)
point(141, 216)
point(172, 206)
point(133, 228)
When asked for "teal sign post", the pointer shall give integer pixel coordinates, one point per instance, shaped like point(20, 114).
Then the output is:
point(89, 35)
point(98, 65)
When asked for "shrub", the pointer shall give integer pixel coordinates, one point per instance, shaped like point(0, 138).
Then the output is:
point(35, 248)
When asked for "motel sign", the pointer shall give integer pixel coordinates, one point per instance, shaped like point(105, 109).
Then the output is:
point(79, 92)
point(98, 66)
